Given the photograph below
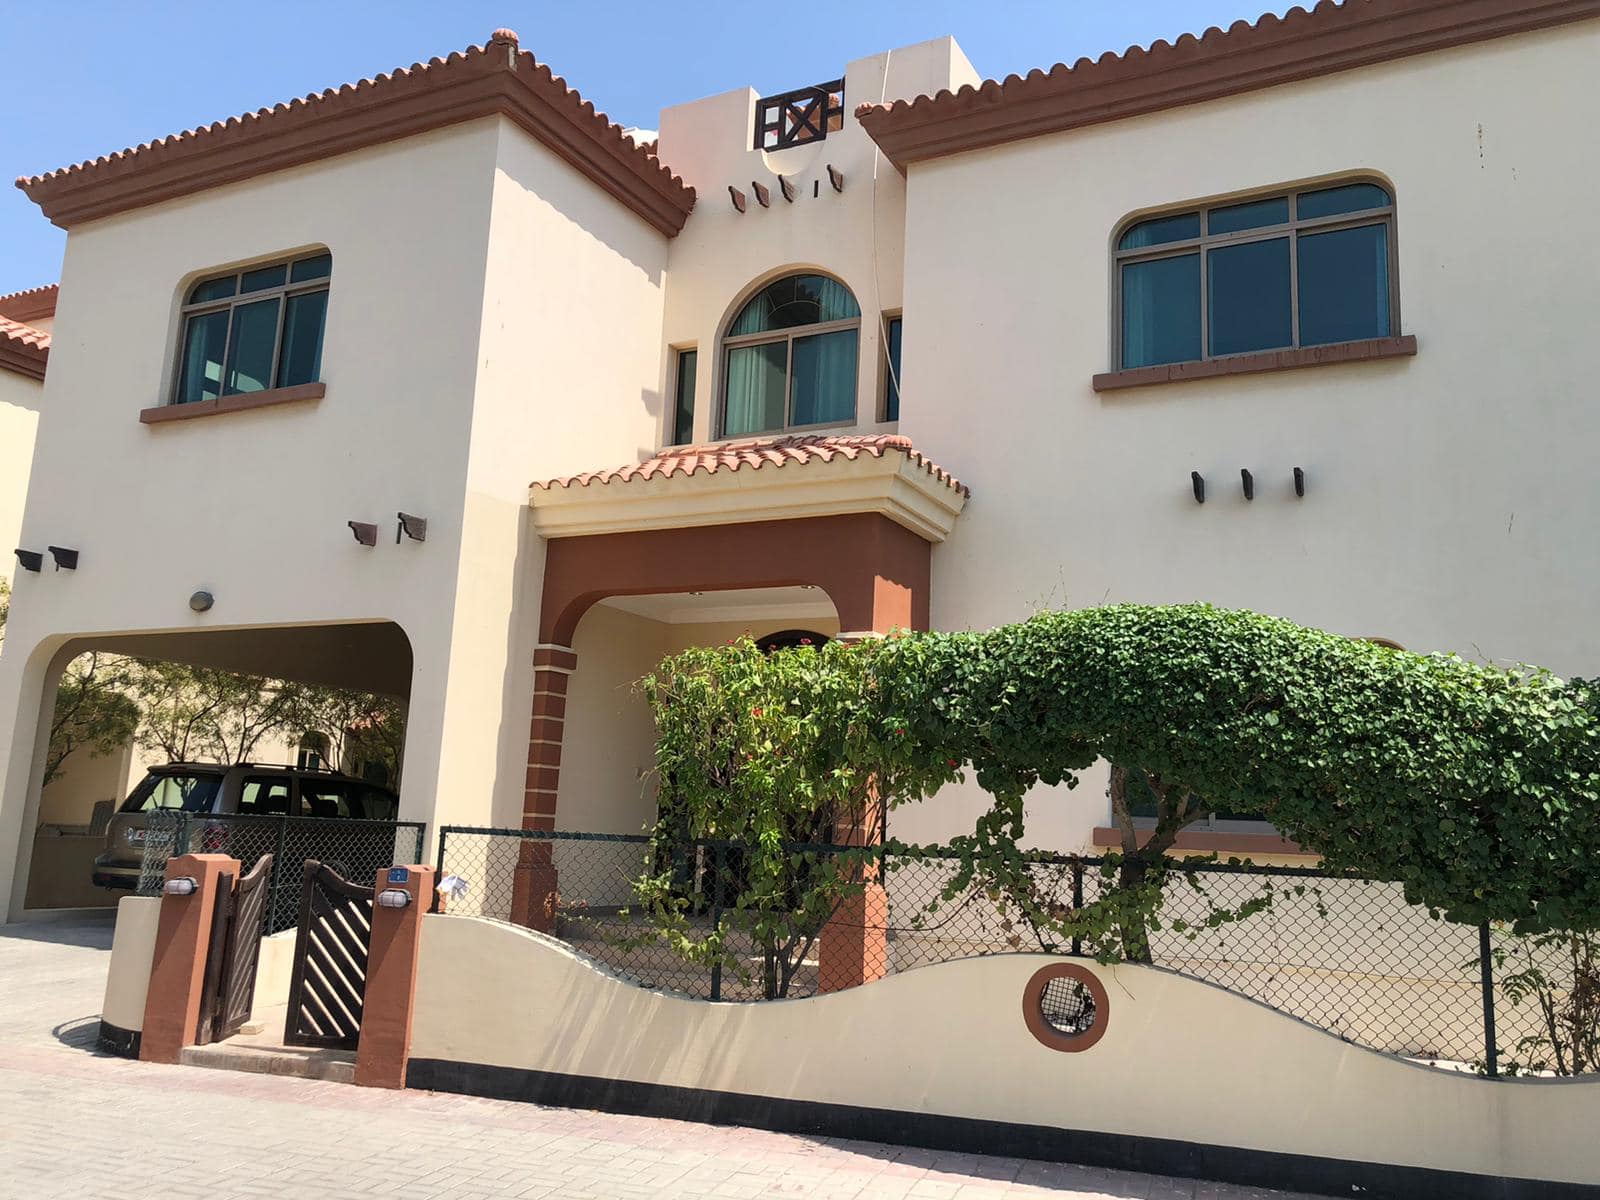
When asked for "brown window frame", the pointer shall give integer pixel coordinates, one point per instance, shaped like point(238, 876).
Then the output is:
point(1385, 215)
point(282, 293)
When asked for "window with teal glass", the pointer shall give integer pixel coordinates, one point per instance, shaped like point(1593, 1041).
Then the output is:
point(790, 358)
point(1304, 267)
point(255, 329)
point(683, 397)
point(891, 375)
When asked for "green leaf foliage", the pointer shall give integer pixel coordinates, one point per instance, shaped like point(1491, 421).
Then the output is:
point(1476, 787)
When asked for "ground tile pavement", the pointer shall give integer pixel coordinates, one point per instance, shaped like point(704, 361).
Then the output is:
point(76, 1125)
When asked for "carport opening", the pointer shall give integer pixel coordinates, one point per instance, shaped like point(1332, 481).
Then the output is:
point(331, 700)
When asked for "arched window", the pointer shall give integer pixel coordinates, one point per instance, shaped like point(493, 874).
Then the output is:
point(1305, 267)
point(789, 358)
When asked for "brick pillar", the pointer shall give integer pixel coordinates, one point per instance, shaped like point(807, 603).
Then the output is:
point(385, 1047)
point(533, 896)
point(178, 968)
point(853, 947)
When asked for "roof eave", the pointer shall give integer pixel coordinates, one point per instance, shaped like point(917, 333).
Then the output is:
point(891, 484)
point(464, 87)
point(1244, 58)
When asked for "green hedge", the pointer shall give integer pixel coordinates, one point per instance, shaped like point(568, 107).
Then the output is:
point(1478, 788)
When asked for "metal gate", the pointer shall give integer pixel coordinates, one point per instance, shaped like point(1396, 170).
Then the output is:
point(235, 950)
point(330, 961)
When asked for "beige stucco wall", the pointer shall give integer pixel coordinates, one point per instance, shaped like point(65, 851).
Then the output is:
point(536, 1005)
point(856, 235)
point(1449, 497)
point(20, 398)
point(567, 381)
point(252, 506)
point(133, 948)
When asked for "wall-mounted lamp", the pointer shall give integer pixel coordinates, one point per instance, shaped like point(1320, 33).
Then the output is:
point(1299, 482)
point(366, 532)
point(183, 885)
point(1249, 482)
point(201, 601)
point(31, 560)
point(1199, 483)
point(66, 560)
point(394, 898)
point(415, 528)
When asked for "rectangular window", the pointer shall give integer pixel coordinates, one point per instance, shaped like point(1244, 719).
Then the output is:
point(254, 330)
point(1302, 268)
point(683, 397)
point(891, 382)
point(824, 377)
point(757, 376)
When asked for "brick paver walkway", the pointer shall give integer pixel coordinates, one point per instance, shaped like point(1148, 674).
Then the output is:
point(75, 1124)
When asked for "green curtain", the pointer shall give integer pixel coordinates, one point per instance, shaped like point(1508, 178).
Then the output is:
point(755, 388)
point(825, 377)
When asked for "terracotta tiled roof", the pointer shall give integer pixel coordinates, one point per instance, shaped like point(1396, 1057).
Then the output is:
point(31, 304)
point(715, 457)
point(1244, 57)
point(23, 348)
point(481, 81)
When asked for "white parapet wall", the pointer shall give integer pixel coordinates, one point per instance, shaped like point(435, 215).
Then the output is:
point(1187, 1078)
point(133, 949)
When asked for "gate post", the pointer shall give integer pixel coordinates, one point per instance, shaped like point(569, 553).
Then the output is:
point(385, 1047)
point(177, 971)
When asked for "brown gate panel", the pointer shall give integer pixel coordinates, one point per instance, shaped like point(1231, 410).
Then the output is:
point(234, 953)
point(329, 983)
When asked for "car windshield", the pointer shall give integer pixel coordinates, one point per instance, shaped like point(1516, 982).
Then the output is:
point(191, 793)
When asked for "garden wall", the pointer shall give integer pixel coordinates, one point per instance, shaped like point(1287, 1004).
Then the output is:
point(1187, 1078)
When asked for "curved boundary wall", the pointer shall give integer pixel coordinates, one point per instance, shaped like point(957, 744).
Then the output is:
point(1187, 1079)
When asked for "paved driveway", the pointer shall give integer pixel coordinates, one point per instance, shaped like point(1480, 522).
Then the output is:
point(76, 1124)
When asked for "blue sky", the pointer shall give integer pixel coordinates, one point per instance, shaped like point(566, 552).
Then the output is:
point(88, 78)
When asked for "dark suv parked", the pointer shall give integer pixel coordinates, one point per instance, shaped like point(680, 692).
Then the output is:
point(245, 790)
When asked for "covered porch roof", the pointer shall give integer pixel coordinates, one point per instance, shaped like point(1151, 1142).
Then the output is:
point(764, 479)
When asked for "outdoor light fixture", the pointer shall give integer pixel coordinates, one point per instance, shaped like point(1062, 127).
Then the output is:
point(31, 560)
point(201, 601)
point(183, 885)
point(1299, 482)
point(1249, 482)
point(1199, 483)
point(65, 559)
point(366, 532)
point(415, 528)
point(394, 898)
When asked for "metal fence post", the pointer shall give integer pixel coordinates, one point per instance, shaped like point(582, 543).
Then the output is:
point(716, 914)
point(180, 839)
point(1491, 1053)
point(1077, 901)
point(279, 868)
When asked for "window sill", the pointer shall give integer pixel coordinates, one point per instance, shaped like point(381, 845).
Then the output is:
point(1252, 364)
point(1207, 842)
point(228, 404)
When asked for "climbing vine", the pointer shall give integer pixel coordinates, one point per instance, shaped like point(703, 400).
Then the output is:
point(1475, 787)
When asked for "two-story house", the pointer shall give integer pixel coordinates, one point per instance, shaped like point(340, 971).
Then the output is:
point(1295, 316)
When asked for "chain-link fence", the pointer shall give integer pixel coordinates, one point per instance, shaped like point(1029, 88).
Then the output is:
point(1348, 955)
point(355, 849)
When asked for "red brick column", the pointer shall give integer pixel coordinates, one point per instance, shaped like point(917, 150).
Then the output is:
point(178, 970)
point(534, 891)
point(385, 1047)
